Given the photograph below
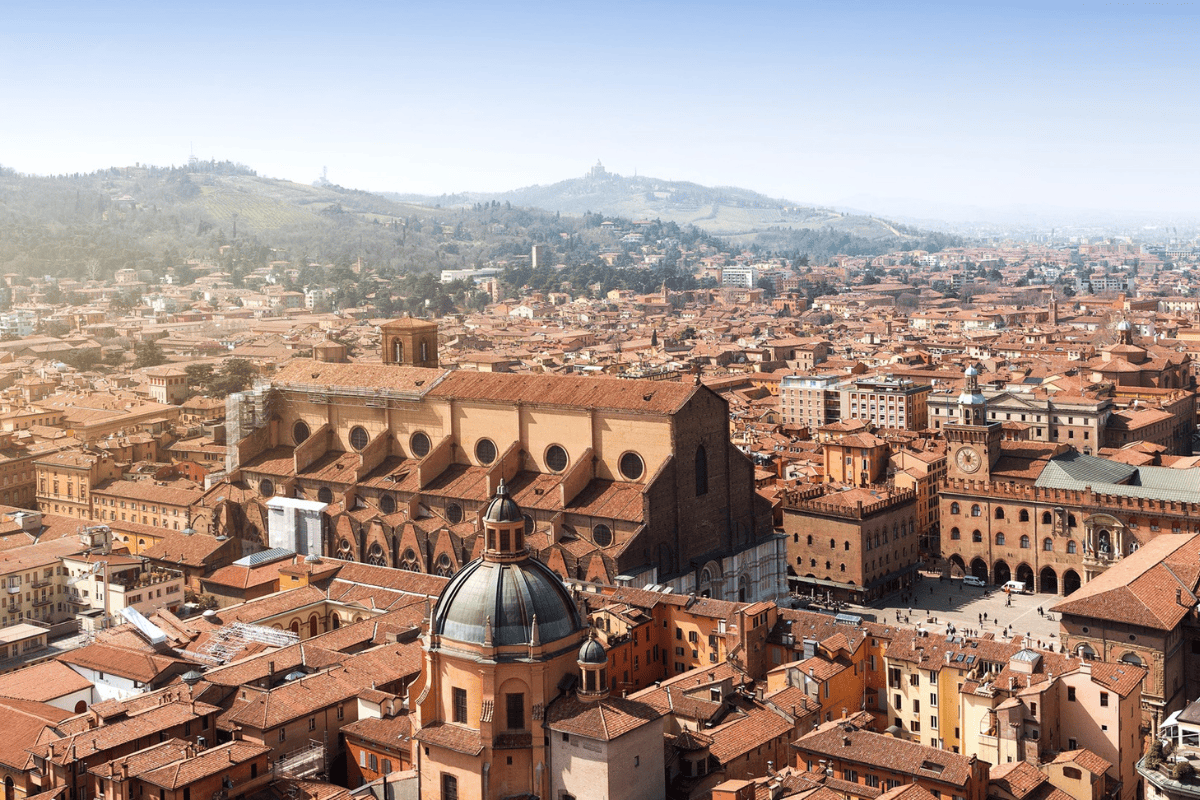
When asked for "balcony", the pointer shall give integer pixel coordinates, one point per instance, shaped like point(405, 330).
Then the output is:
point(40, 582)
point(39, 602)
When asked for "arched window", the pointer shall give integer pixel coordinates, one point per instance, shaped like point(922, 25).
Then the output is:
point(976, 511)
point(832, 544)
point(1132, 658)
point(375, 555)
point(701, 471)
point(1024, 542)
point(1046, 519)
point(1071, 547)
point(1048, 545)
point(743, 588)
point(954, 534)
point(1071, 521)
point(397, 351)
point(843, 568)
point(847, 547)
point(999, 512)
point(954, 508)
point(1085, 651)
point(1023, 516)
point(976, 536)
point(810, 538)
point(999, 538)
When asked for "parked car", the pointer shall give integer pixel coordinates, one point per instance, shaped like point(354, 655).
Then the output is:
point(1016, 587)
point(971, 580)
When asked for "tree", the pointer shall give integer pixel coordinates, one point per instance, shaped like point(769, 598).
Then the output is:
point(235, 376)
point(768, 287)
point(149, 354)
point(199, 375)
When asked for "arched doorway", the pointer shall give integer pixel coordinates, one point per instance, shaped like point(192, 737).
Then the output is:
point(957, 566)
point(1001, 574)
point(979, 569)
point(1070, 582)
point(8, 788)
point(295, 626)
point(1025, 576)
point(335, 621)
point(1049, 581)
point(312, 625)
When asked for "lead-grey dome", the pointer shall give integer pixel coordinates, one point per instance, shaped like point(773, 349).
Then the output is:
point(592, 653)
point(503, 508)
point(510, 594)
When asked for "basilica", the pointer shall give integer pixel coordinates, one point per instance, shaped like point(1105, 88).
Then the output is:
point(513, 698)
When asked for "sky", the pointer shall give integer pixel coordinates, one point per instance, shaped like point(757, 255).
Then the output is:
point(1080, 105)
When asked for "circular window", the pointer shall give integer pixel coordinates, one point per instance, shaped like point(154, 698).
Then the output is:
point(602, 535)
point(632, 466)
point(420, 444)
point(359, 437)
point(485, 451)
point(409, 555)
point(300, 432)
point(528, 524)
point(454, 513)
point(266, 488)
point(387, 504)
point(325, 494)
point(556, 458)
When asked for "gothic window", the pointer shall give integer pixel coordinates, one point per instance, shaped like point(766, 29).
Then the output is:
point(976, 536)
point(999, 513)
point(325, 494)
point(1071, 548)
point(1046, 519)
point(444, 566)
point(408, 561)
point(999, 538)
point(954, 534)
point(1024, 542)
point(954, 508)
point(1024, 515)
point(375, 555)
point(344, 551)
point(1048, 545)
point(976, 511)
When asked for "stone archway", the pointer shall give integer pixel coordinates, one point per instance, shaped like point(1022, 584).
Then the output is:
point(1048, 581)
point(957, 565)
point(1070, 581)
point(979, 569)
point(1001, 574)
point(1025, 575)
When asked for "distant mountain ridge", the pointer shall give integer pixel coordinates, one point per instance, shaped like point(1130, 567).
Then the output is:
point(720, 210)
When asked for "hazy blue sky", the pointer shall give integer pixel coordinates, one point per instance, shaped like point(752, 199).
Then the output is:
point(1069, 104)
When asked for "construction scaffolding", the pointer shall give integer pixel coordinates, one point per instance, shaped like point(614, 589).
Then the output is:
point(308, 763)
point(227, 643)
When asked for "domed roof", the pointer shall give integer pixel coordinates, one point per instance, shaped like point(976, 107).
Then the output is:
point(510, 595)
point(503, 508)
point(592, 652)
point(1124, 325)
point(971, 371)
point(968, 399)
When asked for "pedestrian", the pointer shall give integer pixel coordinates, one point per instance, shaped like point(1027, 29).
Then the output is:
point(931, 590)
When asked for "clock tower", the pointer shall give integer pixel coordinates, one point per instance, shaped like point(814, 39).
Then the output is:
point(974, 443)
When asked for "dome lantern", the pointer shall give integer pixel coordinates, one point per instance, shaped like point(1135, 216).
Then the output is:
point(593, 669)
point(504, 528)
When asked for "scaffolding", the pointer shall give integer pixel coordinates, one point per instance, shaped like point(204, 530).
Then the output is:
point(307, 763)
point(228, 642)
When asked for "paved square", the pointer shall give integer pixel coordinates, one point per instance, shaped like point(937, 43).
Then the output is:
point(935, 605)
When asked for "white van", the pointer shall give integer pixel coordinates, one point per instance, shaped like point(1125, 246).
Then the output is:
point(971, 580)
point(1015, 587)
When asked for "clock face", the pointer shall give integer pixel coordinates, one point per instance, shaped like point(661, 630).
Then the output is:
point(968, 460)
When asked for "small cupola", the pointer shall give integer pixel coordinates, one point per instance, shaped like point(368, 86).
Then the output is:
point(504, 528)
point(593, 670)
